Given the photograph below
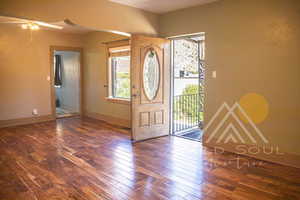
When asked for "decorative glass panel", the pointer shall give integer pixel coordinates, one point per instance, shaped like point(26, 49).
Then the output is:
point(151, 74)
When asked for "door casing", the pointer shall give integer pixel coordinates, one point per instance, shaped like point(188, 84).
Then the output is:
point(53, 95)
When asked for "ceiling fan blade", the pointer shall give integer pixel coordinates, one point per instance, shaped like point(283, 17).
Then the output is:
point(47, 25)
point(11, 22)
point(14, 20)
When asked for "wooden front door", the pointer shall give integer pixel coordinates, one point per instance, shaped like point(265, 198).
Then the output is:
point(150, 87)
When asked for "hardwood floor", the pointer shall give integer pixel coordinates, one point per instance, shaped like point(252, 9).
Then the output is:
point(83, 159)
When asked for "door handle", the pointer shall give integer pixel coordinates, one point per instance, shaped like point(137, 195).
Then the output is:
point(135, 95)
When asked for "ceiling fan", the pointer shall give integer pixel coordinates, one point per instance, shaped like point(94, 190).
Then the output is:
point(28, 24)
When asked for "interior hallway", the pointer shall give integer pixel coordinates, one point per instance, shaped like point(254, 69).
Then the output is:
point(77, 158)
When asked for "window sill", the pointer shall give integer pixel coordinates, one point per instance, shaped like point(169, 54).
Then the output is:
point(118, 100)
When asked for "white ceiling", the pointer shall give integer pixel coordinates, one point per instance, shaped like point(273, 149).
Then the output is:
point(162, 6)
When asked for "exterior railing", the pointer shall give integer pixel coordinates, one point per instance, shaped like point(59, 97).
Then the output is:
point(187, 111)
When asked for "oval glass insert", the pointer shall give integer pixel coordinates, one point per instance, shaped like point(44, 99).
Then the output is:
point(151, 74)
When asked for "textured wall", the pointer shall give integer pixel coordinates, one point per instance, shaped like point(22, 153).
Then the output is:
point(95, 77)
point(254, 47)
point(24, 69)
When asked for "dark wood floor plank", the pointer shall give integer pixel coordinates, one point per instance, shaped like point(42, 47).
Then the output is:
point(86, 159)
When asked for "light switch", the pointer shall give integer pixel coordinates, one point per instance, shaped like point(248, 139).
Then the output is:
point(214, 74)
point(48, 78)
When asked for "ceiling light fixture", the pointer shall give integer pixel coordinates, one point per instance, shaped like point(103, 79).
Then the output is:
point(24, 26)
point(31, 26)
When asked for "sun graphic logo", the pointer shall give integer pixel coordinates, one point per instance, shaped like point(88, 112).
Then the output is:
point(237, 123)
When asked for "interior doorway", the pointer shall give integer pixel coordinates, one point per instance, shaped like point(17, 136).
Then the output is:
point(66, 81)
point(188, 54)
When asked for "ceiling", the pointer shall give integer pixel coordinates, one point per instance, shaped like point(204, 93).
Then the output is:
point(66, 25)
point(162, 6)
point(69, 27)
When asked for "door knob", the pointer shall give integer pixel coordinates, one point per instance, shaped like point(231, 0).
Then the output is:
point(135, 95)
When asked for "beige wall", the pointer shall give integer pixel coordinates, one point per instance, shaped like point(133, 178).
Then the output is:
point(97, 14)
point(24, 68)
point(254, 47)
point(95, 77)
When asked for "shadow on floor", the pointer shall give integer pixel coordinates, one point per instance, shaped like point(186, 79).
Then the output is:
point(195, 134)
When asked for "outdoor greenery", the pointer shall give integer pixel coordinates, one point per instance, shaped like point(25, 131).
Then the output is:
point(186, 105)
point(122, 83)
point(121, 76)
point(188, 102)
